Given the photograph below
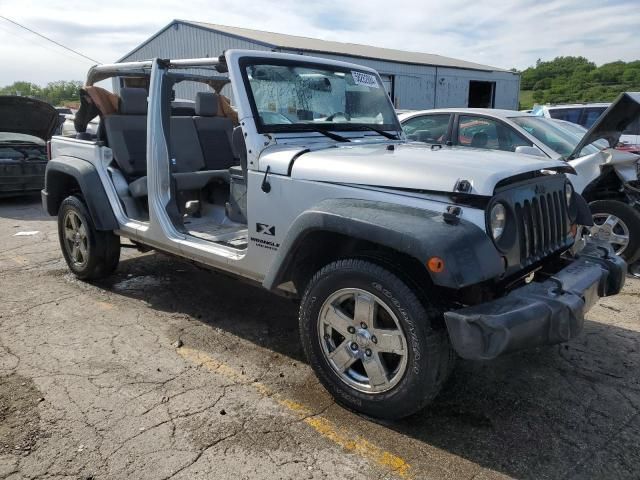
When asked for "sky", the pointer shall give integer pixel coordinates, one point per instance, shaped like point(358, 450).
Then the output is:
point(505, 33)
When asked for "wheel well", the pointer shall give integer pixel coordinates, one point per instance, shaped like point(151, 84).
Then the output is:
point(320, 248)
point(59, 186)
point(606, 187)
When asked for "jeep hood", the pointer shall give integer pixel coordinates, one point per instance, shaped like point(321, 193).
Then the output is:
point(415, 166)
point(612, 122)
point(28, 116)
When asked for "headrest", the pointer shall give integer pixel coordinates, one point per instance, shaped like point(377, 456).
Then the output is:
point(206, 104)
point(133, 101)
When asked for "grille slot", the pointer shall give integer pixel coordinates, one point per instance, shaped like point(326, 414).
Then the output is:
point(542, 225)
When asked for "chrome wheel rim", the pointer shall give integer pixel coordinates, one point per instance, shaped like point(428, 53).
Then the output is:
point(75, 239)
point(611, 229)
point(362, 340)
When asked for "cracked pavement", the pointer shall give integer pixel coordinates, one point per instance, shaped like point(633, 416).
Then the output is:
point(168, 371)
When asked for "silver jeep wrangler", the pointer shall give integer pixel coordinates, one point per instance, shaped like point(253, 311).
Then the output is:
point(402, 255)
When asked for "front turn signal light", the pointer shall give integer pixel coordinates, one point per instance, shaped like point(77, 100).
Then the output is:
point(435, 264)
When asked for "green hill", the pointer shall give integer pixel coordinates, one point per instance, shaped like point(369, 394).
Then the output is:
point(576, 80)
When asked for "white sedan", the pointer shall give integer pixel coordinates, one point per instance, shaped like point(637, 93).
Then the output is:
point(607, 178)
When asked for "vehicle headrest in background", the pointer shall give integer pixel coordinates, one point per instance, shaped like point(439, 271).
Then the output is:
point(206, 104)
point(133, 101)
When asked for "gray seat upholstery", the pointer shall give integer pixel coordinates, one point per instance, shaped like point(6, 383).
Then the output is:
point(188, 161)
point(127, 132)
point(214, 132)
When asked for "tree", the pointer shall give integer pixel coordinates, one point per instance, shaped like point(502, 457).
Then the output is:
point(55, 93)
point(576, 79)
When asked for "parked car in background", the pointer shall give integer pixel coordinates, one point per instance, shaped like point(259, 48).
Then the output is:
point(25, 126)
point(607, 178)
point(63, 110)
point(583, 114)
point(69, 129)
point(630, 138)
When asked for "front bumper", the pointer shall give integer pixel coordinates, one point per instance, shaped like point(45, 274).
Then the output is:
point(539, 313)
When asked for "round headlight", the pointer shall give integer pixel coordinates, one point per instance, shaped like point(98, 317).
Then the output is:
point(568, 193)
point(497, 220)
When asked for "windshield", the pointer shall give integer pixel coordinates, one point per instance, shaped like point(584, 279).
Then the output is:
point(580, 130)
point(19, 138)
point(290, 96)
point(553, 136)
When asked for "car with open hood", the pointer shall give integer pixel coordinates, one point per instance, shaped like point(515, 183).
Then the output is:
point(607, 177)
point(25, 126)
point(401, 255)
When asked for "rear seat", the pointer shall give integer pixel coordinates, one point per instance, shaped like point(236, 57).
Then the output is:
point(190, 170)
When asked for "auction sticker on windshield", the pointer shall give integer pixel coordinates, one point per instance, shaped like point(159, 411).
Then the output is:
point(364, 79)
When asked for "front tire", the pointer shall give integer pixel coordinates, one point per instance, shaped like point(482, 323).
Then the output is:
point(89, 253)
point(371, 341)
point(618, 224)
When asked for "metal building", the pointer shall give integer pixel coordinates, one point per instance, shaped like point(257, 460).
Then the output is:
point(413, 80)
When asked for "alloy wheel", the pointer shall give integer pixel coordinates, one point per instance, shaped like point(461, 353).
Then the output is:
point(362, 340)
point(75, 239)
point(611, 229)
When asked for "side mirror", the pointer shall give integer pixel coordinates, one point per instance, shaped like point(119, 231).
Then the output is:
point(535, 151)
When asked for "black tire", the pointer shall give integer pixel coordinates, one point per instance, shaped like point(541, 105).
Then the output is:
point(102, 248)
point(630, 217)
point(429, 354)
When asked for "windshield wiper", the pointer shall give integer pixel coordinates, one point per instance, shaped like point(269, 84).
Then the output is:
point(333, 136)
point(391, 136)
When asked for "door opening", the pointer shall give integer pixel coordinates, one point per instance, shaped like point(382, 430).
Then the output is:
point(481, 94)
point(388, 82)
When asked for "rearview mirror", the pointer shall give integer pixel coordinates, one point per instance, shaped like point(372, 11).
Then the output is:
point(527, 150)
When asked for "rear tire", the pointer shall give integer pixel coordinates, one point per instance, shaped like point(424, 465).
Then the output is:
point(89, 253)
point(615, 220)
point(370, 340)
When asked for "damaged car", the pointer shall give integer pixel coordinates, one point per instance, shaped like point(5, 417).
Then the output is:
point(25, 126)
point(608, 178)
point(400, 255)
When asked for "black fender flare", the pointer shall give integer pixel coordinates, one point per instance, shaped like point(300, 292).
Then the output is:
point(583, 213)
point(86, 176)
point(468, 253)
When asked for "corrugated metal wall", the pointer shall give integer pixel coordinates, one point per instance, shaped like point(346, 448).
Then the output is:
point(415, 86)
point(186, 41)
point(453, 87)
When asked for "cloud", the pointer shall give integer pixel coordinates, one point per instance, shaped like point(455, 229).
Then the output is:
point(494, 32)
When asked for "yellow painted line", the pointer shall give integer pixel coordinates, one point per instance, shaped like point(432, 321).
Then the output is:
point(104, 305)
point(325, 427)
point(20, 260)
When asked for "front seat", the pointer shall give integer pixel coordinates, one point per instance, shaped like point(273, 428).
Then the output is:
point(480, 140)
point(214, 132)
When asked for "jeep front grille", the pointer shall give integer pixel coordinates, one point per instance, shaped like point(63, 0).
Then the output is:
point(542, 225)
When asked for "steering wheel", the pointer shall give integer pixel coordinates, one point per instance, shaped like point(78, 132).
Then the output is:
point(343, 114)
